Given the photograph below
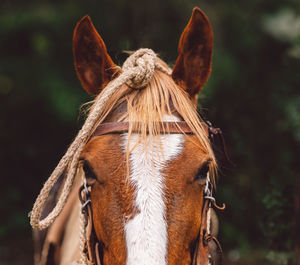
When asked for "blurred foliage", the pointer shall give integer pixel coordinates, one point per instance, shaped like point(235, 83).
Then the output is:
point(253, 95)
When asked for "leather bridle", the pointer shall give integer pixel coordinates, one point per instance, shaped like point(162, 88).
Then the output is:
point(201, 253)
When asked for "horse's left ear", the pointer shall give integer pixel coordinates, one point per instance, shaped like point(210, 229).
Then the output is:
point(93, 65)
point(193, 65)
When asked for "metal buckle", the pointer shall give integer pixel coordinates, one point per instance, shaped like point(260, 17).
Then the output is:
point(85, 187)
point(84, 205)
point(207, 189)
point(84, 196)
point(211, 198)
point(208, 195)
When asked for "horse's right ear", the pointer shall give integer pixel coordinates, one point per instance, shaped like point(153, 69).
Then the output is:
point(93, 65)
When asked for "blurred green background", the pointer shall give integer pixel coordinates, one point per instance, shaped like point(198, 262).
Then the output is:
point(253, 95)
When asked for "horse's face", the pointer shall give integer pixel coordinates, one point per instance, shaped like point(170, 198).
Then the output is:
point(156, 215)
point(151, 215)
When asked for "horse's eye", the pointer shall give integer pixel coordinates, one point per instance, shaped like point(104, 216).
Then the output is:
point(89, 174)
point(202, 172)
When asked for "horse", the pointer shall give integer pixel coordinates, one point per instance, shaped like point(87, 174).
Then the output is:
point(143, 163)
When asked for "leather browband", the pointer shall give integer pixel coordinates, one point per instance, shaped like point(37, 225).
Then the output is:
point(123, 127)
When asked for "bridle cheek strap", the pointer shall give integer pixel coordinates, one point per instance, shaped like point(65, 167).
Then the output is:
point(92, 244)
point(202, 254)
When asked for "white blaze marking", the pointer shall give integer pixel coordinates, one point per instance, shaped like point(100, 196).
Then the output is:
point(146, 234)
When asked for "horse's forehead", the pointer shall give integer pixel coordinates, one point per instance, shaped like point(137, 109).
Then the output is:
point(107, 152)
point(104, 154)
point(188, 162)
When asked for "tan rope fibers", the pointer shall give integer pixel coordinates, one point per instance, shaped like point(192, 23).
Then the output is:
point(137, 71)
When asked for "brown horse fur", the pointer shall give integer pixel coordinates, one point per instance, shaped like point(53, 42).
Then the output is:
point(193, 65)
point(112, 198)
point(93, 65)
point(112, 194)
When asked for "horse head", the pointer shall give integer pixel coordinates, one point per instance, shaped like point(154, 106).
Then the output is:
point(147, 180)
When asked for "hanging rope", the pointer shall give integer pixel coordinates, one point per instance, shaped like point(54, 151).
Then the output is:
point(137, 72)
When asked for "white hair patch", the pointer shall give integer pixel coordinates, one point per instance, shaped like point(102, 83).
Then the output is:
point(146, 233)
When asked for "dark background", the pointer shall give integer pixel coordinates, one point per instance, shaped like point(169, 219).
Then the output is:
point(253, 95)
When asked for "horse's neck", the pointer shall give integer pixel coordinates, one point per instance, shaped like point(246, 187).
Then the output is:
point(69, 233)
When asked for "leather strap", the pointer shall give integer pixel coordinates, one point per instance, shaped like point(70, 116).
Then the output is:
point(123, 127)
point(91, 239)
point(201, 254)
